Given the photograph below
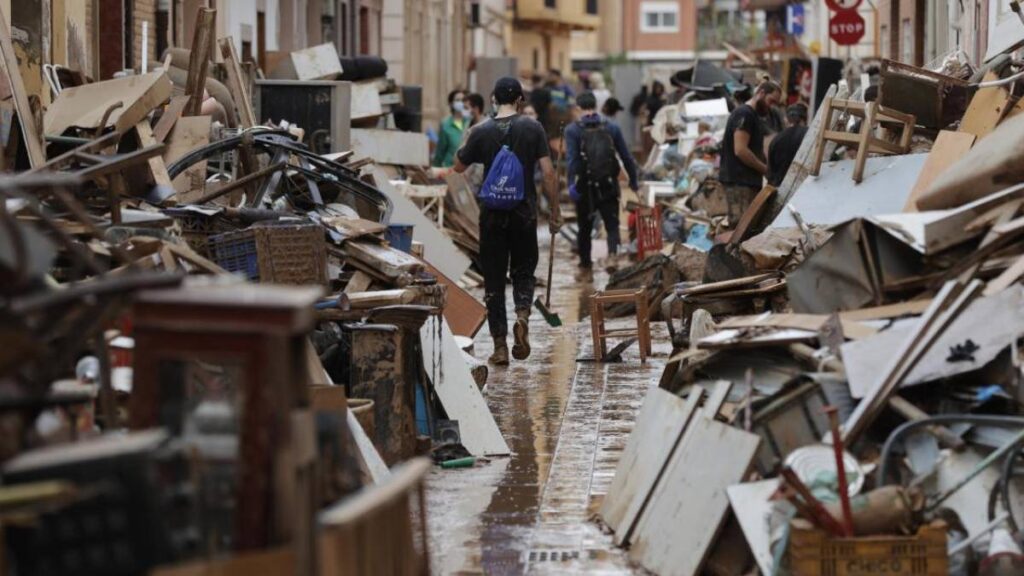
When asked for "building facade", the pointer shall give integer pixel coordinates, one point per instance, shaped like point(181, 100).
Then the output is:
point(539, 33)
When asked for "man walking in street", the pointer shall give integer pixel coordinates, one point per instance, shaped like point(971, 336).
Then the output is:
point(743, 165)
point(509, 146)
point(594, 147)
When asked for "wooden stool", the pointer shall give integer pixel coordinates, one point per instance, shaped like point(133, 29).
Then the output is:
point(642, 332)
point(648, 230)
point(865, 141)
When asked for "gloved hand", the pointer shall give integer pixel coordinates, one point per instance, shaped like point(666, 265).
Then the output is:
point(573, 193)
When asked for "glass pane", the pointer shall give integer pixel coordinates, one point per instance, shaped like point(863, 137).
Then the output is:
point(651, 19)
point(668, 19)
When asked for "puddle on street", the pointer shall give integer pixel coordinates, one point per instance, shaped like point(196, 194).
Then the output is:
point(530, 512)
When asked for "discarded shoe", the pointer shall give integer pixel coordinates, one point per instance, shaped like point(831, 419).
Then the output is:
point(521, 331)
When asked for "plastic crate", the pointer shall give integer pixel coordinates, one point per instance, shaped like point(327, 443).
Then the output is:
point(812, 552)
point(274, 253)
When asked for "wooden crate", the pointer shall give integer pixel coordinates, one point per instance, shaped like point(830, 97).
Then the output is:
point(812, 552)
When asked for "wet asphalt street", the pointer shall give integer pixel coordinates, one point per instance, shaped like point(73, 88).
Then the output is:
point(566, 423)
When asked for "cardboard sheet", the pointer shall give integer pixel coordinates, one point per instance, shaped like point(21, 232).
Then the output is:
point(84, 106)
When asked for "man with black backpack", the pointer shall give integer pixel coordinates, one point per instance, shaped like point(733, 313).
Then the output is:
point(509, 146)
point(594, 147)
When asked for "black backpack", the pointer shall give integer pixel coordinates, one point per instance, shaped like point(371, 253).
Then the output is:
point(600, 161)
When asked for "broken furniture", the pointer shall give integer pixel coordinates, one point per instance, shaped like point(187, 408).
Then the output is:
point(276, 252)
point(642, 332)
point(865, 142)
point(229, 359)
point(648, 231)
point(935, 100)
point(381, 530)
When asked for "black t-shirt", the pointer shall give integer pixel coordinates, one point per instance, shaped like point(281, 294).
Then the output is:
point(733, 171)
point(526, 138)
point(781, 152)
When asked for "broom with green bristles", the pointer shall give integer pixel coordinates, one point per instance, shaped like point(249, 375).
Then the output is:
point(545, 307)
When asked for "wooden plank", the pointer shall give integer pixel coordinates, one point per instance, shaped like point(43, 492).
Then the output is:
point(689, 505)
point(391, 147)
point(717, 398)
point(199, 60)
point(359, 282)
point(464, 313)
point(26, 119)
point(171, 114)
point(659, 428)
point(132, 98)
point(986, 110)
point(439, 250)
point(458, 392)
point(156, 163)
point(188, 133)
point(1007, 278)
point(752, 214)
point(256, 563)
point(945, 307)
point(948, 148)
point(243, 102)
point(751, 505)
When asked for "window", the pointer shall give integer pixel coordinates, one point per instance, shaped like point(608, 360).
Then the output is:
point(592, 7)
point(659, 17)
point(883, 33)
point(908, 42)
point(550, 4)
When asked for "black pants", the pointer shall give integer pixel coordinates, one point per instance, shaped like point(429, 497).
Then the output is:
point(605, 200)
point(507, 240)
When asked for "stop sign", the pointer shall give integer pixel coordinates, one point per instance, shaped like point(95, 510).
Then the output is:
point(846, 28)
point(840, 5)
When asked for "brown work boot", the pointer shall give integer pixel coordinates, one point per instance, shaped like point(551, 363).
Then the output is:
point(500, 355)
point(521, 331)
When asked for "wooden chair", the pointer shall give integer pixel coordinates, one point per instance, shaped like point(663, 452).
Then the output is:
point(872, 115)
point(648, 231)
point(376, 531)
point(598, 300)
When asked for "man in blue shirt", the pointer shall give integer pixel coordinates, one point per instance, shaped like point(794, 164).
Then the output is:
point(594, 148)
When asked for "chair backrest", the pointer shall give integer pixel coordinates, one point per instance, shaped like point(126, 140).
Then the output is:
point(376, 530)
point(648, 230)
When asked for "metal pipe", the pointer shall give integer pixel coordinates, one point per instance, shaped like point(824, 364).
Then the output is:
point(971, 539)
point(977, 419)
point(1002, 451)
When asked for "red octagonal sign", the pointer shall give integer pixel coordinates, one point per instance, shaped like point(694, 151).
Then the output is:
point(846, 28)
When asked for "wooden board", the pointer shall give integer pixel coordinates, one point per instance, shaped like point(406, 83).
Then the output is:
point(439, 250)
point(188, 133)
point(391, 146)
point(986, 109)
point(85, 106)
point(156, 163)
point(314, 63)
point(30, 136)
point(458, 392)
point(365, 101)
point(752, 509)
point(235, 83)
point(659, 427)
point(689, 504)
point(464, 313)
point(948, 148)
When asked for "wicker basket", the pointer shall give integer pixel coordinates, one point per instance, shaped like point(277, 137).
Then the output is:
point(274, 253)
point(812, 552)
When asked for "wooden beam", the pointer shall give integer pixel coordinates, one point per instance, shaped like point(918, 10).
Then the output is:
point(199, 61)
point(156, 163)
point(9, 65)
point(236, 85)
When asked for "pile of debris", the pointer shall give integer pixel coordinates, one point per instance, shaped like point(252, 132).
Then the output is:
point(845, 394)
point(225, 323)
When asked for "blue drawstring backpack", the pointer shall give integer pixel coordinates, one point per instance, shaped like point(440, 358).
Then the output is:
point(504, 187)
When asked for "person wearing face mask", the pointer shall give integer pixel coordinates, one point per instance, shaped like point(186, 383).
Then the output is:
point(743, 165)
point(452, 127)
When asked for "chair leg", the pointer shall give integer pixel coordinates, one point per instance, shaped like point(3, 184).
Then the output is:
point(819, 154)
point(596, 326)
point(642, 326)
point(866, 128)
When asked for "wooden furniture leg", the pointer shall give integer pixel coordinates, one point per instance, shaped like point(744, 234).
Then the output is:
point(819, 154)
point(866, 128)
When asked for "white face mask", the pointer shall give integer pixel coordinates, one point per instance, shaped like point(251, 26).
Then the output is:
point(459, 107)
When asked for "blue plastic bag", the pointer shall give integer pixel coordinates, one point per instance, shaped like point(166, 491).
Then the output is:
point(504, 188)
